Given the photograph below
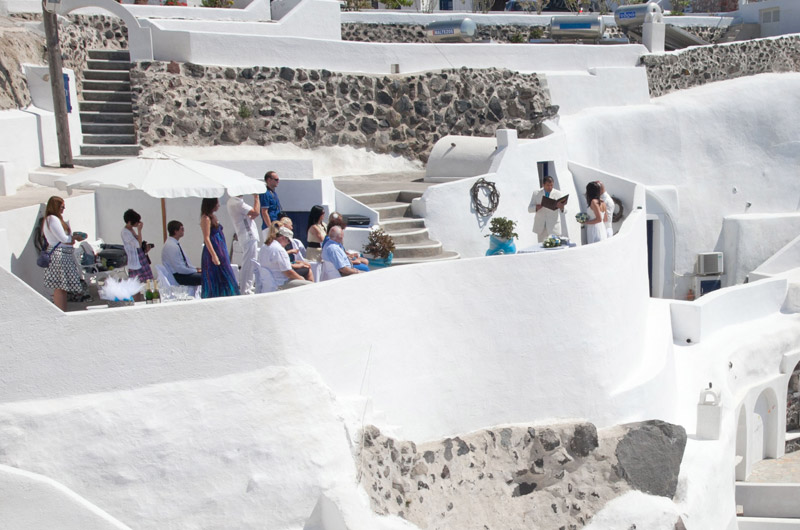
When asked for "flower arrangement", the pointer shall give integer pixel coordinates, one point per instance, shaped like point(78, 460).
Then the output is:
point(582, 217)
point(502, 228)
point(552, 242)
point(174, 3)
point(120, 290)
point(379, 243)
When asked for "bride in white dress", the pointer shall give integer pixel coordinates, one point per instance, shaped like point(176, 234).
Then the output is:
point(595, 229)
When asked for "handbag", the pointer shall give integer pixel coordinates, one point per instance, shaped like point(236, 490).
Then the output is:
point(44, 257)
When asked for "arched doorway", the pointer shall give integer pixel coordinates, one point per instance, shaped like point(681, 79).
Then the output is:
point(765, 427)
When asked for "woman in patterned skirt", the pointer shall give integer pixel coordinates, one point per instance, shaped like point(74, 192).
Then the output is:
point(62, 275)
point(138, 265)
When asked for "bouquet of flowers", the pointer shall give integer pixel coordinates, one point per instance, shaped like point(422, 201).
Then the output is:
point(552, 242)
point(581, 217)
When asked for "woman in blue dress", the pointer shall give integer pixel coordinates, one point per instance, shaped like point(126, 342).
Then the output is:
point(218, 278)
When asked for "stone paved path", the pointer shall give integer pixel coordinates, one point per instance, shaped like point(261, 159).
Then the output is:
point(786, 469)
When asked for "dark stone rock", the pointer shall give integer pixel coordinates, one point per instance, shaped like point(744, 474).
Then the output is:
point(246, 73)
point(287, 74)
point(495, 109)
point(462, 106)
point(523, 488)
point(384, 98)
point(403, 105)
point(368, 126)
point(266, 113)
point(195, 70)
point(167, 121)
point(173, 68)
point(584, 439)
point(309, 87)
point(428, 456)
point(463, 448)
point(679, 525)
point(448, 449)
point(549, 439)
point(650, 455)
point(421, 108)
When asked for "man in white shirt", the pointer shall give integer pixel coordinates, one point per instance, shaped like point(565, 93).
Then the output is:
point(174, 259)
point(606, 198)
point(243, 217)
point(546, 221)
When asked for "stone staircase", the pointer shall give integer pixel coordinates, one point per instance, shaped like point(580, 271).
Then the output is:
point(412, 243)
point(106, 110)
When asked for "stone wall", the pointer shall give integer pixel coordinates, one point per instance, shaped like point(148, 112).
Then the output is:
point(793, 409)
point(188, 104)
point(17, 46)
point(82, 33)
point(518, 477)
point(706, 64)
point(357, 31)
point(77, 35)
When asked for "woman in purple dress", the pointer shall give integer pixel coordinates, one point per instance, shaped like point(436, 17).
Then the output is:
point(218, 278)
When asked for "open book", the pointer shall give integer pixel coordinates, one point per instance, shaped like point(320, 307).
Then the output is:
point(552, 204)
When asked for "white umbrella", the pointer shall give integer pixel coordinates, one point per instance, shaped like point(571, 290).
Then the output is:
point(165, 176)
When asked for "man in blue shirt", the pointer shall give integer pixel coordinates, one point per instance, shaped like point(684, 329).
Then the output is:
point(334, 258)
point(270, 204)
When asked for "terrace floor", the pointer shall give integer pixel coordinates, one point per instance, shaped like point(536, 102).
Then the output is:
point(777, 470)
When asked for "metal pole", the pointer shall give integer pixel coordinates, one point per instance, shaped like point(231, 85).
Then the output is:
point(57, 86)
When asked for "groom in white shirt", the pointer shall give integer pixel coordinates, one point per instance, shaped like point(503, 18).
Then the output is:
point(174, 259)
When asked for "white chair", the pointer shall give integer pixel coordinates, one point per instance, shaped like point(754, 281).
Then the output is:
point(165, 278)
point(316, 270)
point(265, 283)
point(329, 272)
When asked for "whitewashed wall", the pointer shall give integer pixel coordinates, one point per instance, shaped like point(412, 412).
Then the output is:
point(749, 240)
point(722, 146)
point(789, 16)
point(428, 370)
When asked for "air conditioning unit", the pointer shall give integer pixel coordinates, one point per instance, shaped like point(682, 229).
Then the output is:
point(709, 263)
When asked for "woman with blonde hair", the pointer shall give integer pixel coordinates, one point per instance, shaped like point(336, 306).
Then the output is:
point(274, 258)
point(62, 274)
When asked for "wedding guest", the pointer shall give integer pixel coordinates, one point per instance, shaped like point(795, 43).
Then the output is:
point(296, 251)
point(595, 225)
point(243, 216)
point(359, 262)
point(62, 274)
point(138, 264)
point(269, 202)
point(335, 257)
point(316, 232)
point(275, 260)
point(546, 221)
point(218, 277)
point(174, 259)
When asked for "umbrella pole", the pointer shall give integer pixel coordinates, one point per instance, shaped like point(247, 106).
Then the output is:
point(164, 217)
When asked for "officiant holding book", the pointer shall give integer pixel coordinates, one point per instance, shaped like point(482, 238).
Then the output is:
point(548, 203)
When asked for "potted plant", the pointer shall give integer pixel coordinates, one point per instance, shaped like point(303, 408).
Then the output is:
point(501, 236)
point(380, 246)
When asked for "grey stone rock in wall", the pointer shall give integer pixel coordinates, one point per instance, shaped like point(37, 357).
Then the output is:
point(649, 457)
point(557, 476)
point(402, 114)
point(705, 64)
point(415, 33)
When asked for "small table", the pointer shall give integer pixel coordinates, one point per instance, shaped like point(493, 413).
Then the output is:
point(539, 247)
